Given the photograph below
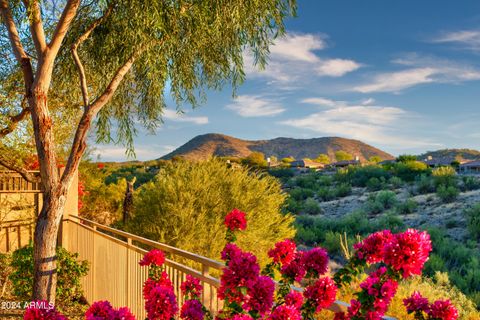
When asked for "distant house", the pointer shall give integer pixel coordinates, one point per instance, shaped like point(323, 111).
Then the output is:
point(305, 163)
point(345, 163)
point(470, 167)
point(442, 162)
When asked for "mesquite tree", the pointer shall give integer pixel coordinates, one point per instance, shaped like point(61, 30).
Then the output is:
point(111, 62)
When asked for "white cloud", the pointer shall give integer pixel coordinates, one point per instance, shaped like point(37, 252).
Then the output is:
point(421, 70)
point(470, 39)
point(368, 102)
point(255, 106)
point(324, 102)
point(179, 117)
point(113, 153)
point(293, 58)
point(336, 67)
point(382, 125)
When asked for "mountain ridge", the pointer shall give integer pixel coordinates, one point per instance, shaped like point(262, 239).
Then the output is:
point(207, 145)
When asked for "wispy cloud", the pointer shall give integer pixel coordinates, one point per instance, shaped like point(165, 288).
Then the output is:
point(421, 70)
point(116, 153)
point(469, 39)
point(255, 106)
point(294, 57)
point(181, 117)
point(382, 125)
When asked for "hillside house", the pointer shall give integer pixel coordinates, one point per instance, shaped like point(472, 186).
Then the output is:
point(442, 162)
point(345, 163)
point(305, 163)
point(470, 167)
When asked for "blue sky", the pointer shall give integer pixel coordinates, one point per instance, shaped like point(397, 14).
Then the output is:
point(403, 76)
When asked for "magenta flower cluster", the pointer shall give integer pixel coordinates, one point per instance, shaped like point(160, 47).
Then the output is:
point(438, 310)
point(103, 310)
point(42, 310)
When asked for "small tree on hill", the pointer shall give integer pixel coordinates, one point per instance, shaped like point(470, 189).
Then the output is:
point(341, 155)
point(323, 158)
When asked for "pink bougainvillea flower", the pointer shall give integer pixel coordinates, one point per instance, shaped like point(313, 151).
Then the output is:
point(353, 309)
point(408, 252)
point(443, 310)
point(416, 302)
point(150, 283)
point(192, 310)
point(285, 312)
point(260, 295)
point(315, 262)
point(99, 310)
point(42, 310)
point(295, 270)
point(191, 287)
point(284, 252)
point(236, 220)
point(153, 257)
point(161, 303)
point(322, 293)
point(294, 298)
point(371, 248)
point(241, 317)
point(230, 251)
point(123, 314)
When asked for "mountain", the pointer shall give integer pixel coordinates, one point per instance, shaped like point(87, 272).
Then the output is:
point(212, 144)
point(466, 154)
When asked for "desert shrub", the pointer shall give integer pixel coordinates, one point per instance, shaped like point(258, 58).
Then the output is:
point(395, 182)
point(306, 181)
point(425, 185)
point(255, 159)
point(325, 194)
point(470, 183)
point(447, 194)
point(324, 181)
point(445, 176)
point(186, 203)
point(343, 190)
point(409, 170)
point(381, 201)
point(374, 184)
point(293, 206)
point(341, 155)
point(359, 176)
point(282, 173)
point(391, 221)
point(408, 206)
point(300, 194)
point(473, 221)
point(69, 271)
point(310, 206)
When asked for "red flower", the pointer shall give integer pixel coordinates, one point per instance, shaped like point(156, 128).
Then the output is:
point(340, 316)
point(294, 298)
point(285, 312)
point(153, 257)
point(242, 271)
point(284, 251)
point(150, 283)
point(315, 262)
point(443, 310)
point(123, 314)
point(42, 310)
point(100, 165)
point(260, 295)
point(371, 248)
point(408, 252)
point(192, 310)
point(416, 303)
point(99, 310)
point(161, 303)
point(295, 270)
point(354, 307)
point(241, 317)
point(236, 220)
point(382, 288)
point(192, 287)
point(322, 293)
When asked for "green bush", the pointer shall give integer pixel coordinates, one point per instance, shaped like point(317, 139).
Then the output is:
point(324, 181)
point(473, 221)
point(359, 176)
point(343, 190)
point(470, 183)
point(445, 176)
point(408, 206)
point(306, 181)
point(395, 182)
point(325, 194)
point(381, 201)
point(311, 207)
point(447, 194)
point(300, 194)
point(425, 185)
point(374, 184)
point(186, 204)
point(282, 173)
point(69, 273)
point(409, 170)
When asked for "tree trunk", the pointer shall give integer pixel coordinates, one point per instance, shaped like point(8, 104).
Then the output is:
point(45, 240)
point(128, 201)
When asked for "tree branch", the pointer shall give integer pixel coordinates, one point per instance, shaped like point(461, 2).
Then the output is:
point(76, 58)
point(14, 120)
point(63, 24)
point(36, 25)
point(17, 47)
point(12, 165)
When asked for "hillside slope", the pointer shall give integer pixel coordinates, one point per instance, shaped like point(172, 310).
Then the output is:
point(205, 146)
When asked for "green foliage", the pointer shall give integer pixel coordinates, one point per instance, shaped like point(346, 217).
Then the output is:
point(381, 201)
point(288, 160)
point(374, 184)
point(406, 207)
point(341, 155)
point(186, 204)
point(69, 273)
point(301, 194)
point(447, 194)
point(323, 158)
point(395, 182)
point(470, 183)
point(473, 221)
point(444, 176)
point(409, 170)
point(255, 159)
point(425, 184)
point(375, 159)
point(325, 194)
point(359, 176)
point(343, 190)
point(406, 158)
point(311, 207)
point(282, 173)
